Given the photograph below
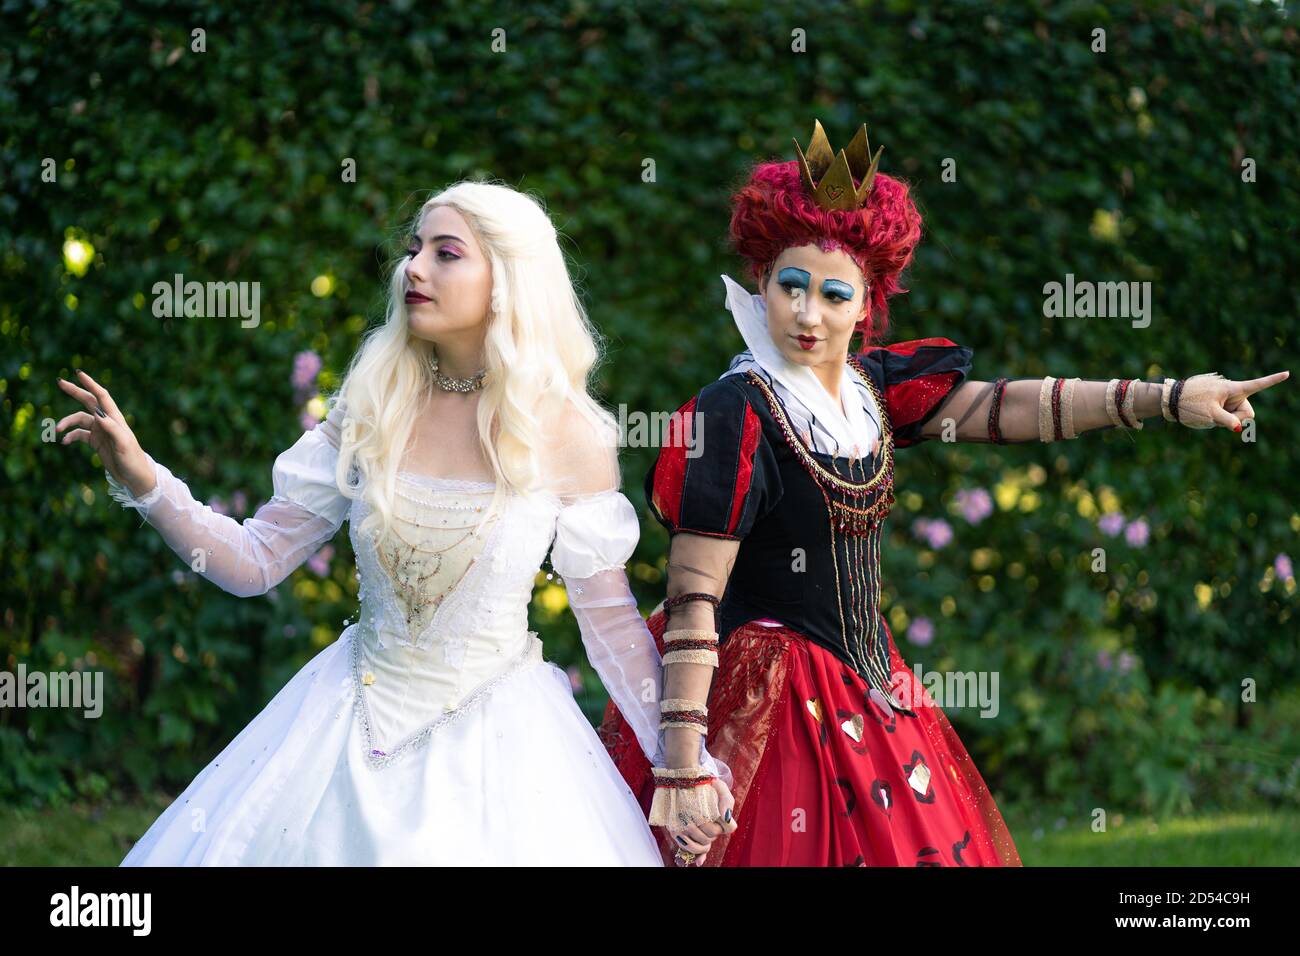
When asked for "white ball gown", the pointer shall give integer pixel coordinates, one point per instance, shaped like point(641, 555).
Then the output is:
point(433, 731)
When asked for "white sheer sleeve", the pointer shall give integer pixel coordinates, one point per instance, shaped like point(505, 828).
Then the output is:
point(306, 510)
point(596, 533)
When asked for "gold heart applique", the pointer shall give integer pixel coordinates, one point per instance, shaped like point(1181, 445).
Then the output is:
point(853, 727)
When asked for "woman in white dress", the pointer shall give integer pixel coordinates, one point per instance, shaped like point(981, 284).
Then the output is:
point(461, 447)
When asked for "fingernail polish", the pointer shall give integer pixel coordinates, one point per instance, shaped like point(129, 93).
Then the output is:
point(682, 841)
point(727, 815)
point(1237, 429)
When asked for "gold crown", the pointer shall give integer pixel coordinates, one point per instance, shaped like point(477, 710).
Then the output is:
point(829, 177)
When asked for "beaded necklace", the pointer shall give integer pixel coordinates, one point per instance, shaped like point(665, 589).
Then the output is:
point(848, 515)
point(860, 522)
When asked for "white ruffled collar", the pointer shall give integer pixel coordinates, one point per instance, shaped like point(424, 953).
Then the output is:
point(849, 426)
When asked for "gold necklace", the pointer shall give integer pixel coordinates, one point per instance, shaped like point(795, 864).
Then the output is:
point(843, 514)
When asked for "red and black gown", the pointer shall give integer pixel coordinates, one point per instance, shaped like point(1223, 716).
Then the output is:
point(838, 756)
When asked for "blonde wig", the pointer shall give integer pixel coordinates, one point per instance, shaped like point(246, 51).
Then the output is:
point(540, 352)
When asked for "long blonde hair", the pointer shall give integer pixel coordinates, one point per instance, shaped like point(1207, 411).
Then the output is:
point(540, 349)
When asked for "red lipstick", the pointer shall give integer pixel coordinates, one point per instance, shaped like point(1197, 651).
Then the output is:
point(807, 342)
point(414, 298)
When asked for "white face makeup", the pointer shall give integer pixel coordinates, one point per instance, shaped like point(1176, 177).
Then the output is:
point(448, 278)
point(814, 301)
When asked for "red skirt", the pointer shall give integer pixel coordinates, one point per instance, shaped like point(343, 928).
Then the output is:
point(823, 774)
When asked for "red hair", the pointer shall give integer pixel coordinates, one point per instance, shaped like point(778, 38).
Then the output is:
point(774, 211)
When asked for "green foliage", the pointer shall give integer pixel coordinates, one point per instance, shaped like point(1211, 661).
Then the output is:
point(225, 165)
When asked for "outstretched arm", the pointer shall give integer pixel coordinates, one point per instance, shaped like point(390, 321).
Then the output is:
point(1013, 411)
point(245, 558)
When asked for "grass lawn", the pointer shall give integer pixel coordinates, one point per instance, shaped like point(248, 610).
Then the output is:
point(1240, 838)
point(75, 835)
point(101, 835)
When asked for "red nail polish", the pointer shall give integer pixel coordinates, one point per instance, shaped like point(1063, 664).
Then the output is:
point(1237, 429)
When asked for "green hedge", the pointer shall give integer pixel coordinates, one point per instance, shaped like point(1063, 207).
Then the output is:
point(225, 164)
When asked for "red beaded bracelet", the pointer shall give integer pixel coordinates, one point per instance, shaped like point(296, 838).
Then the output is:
point(995, 412)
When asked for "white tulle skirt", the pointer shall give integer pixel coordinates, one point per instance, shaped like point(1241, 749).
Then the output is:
point(519, 778)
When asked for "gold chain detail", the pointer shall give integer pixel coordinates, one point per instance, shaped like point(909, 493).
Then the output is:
point(854, 488)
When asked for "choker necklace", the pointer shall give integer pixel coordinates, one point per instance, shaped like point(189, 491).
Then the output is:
point(448, 384)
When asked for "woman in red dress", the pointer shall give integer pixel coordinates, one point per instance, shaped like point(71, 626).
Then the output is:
point(774, 482)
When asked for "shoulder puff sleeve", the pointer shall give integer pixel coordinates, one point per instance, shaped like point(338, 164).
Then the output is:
point(716, 474)
point(914, 379)
point(598, 533)
point(304, 472)
point(250, 557)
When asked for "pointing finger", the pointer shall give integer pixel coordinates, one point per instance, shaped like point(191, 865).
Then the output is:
point(1257, 384)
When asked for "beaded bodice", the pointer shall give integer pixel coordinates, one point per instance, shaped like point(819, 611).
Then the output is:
point(432, 544)
point(436, 582)
point(444, 606)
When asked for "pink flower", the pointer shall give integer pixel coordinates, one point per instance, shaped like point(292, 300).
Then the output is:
point(1282, 567)
point(975, 503)
point(306, 366)
point(920, 631)
point(240, 502)
point(319, 562)
point(575, 678)
point(933, 531)
point(308, 420)
point(1126, 662)
point(1111, 523)
point(1104, 660)
point(938, 533)
point(219, 506)
point(1137, 532)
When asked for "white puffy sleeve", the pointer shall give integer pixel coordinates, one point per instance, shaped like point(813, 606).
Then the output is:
point(596, 533)
point(249, 558)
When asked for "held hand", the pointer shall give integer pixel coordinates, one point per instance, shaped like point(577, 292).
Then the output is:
point(694, 833)
point(103, 427)
point(1227, 403)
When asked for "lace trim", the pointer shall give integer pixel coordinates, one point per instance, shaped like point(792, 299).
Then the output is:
point(377, 759)
point(460, 484)
point(439, 500)
point(467, 485)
